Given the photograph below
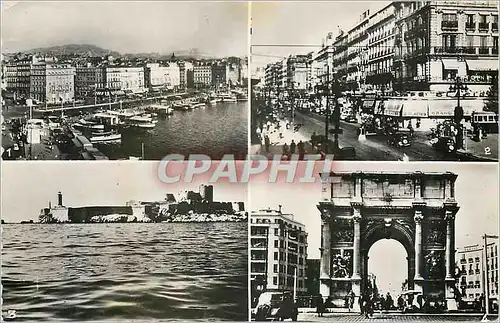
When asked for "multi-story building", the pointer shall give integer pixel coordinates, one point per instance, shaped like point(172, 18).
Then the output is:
point(52, 83)
point(11, 76)
point(220, 74)
point(278, 252)
point(18, 74)
point(125, 80)
point(436, 41)
point(185, 74)
point(472, 268)
point(202, 74)
point(339, 59)
point(273, 74)
point(379, 74)
point(357, 42)
point(157, 76)
point(295, 72)
point(85, 81)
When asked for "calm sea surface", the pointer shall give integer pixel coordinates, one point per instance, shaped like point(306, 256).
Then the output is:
point(125, 271)
point(211, 130)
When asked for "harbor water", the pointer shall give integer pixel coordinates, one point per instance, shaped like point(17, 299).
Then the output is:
point(210, 130)
point(121, 272)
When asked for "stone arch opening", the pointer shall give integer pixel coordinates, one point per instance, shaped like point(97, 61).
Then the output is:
point(389, 229)
point(387, 266)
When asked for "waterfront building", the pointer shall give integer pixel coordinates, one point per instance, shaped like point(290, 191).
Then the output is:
point(416, 209)
point(10, 76)
point(125, 80)
point(436, 41)
point(295, 72)
point(234, 73)
point(85, 81)
point(202, 74)
point(220, 74)
point(51, 82)
point(186, 74)
point(379, 73)
point(18, 75)
point(278, 249)
point(167, 77)
point(470, 261)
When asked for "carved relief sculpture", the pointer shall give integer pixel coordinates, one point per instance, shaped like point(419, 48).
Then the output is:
point(434, 264)
point(342, 264)
point(342, 231)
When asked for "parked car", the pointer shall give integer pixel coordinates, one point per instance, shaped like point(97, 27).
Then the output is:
point(276, 306)
point(351, 119)
point(400, 140)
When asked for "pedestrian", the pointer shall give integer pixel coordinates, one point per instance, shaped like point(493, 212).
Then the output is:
point(285, 149)
point(267, 143)
point(320, 307)
point(292, 147)
point(301, 149)
point(351, 300)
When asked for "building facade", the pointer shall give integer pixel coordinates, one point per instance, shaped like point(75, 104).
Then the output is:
point(379, 73)
point(416, 209)
point(202, 75)
point(157, 76)
point(470, 261)
point(220, 74)
point(85, 81)
point(52, 83)
point(278, 252)
point(125, 80)
point(436, 41)
point(357, 43)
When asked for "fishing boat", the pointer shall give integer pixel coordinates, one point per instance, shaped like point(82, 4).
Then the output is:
point(197, 105)
point(161, 110)
point(228, 98)
point(213, 102)
point(85, 124)
point(142, 121)
point(101, 137)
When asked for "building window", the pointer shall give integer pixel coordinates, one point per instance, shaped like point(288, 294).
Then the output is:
point(275, 280)
point(483, 48)
point(275, 243)
point(276, 232)
point(449, 43)
point(276, 256)
point(275, 268)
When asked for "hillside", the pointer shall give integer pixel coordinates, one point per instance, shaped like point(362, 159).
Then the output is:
point(74, 49)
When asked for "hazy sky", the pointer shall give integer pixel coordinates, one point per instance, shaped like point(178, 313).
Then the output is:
point(27, 187)
point(214, 28)
point(301, 23)
point(476, 192)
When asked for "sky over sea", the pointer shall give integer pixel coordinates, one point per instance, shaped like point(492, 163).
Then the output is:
point(213, 28)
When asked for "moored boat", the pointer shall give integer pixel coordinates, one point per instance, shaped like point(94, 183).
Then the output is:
point(105, 137)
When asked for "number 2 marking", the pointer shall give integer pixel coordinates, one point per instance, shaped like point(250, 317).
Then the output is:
point(487, 151)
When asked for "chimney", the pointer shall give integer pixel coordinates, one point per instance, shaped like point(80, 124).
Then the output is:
point(59, 199)
point(280, 206)
point(50, 205)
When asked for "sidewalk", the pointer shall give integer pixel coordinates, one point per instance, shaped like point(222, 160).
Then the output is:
point(486, 149)
point(277, 143)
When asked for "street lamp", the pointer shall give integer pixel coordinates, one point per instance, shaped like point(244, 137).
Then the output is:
point(458, 114)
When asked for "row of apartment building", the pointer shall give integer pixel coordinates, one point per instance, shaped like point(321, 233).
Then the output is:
point(47, 80)
point(405, 46)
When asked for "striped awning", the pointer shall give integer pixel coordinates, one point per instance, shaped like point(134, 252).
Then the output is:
point(393, 108)
point(470, 106)
point(415, 108)
point(451, 64)
point(482, 65)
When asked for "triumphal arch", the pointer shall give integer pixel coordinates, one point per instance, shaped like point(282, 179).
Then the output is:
point(417, 209)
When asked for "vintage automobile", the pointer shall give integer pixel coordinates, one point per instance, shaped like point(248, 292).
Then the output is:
point(276, 306)
point(400, 140)
point(446, 144)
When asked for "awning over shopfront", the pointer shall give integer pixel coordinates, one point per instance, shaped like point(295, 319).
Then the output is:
point(482, 65)
point(415, 108)
point(393, 108)
point(470, 106)
point(368, 104)
point(450, 64)
point(442, 108)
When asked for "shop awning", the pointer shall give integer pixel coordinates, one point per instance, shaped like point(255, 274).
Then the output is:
point(450, 64)
point(393, 108)
point(415, 108)
point(442, 108)
point(368, 104)
point(470, 106)
point(482, 65)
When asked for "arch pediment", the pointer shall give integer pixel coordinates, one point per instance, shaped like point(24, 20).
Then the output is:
point(402, 230)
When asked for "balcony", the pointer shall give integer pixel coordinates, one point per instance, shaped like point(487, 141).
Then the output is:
point(483, 26)
point(449, 25)
point(455, 50)
point(470, 26)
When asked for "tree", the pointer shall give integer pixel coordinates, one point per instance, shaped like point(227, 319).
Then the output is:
point(492, 101)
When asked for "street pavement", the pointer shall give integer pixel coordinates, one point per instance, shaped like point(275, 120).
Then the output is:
point(392, 317)
point(376, 148)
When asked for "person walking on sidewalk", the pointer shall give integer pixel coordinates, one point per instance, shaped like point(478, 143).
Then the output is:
point(267, 143)
point(320, 307)
point(301, 149)
point(285, 149)
point(292, 147)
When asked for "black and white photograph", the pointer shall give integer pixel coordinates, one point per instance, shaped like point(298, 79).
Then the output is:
point(376, 81)
point(110, 80)
point(377, 242)
point(105, 242)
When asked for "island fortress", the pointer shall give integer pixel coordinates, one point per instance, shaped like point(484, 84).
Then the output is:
point(186, 206)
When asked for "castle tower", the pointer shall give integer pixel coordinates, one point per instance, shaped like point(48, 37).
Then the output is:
point(207, 192)
point(59, 199)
